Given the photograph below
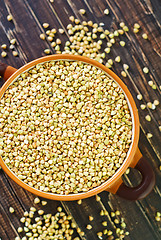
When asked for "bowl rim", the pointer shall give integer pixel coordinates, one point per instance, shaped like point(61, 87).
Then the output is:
point(135, 119)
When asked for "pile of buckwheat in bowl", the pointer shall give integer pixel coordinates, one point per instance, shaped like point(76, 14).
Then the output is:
point(66, 127)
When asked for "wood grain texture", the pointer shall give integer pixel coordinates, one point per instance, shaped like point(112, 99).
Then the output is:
point(28, 17)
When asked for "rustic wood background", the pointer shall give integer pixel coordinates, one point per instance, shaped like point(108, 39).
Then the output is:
point(28, 17)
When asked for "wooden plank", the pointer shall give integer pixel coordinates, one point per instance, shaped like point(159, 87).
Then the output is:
point(4, 224)
point(26, 31)
point(21, 200)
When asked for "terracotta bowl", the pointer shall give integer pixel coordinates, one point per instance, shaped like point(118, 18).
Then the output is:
point(134, 158)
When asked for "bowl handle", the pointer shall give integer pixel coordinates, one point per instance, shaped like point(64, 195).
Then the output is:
point(146, 185)
point(6, 71)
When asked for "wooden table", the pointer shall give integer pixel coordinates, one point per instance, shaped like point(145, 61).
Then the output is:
point(28, 17)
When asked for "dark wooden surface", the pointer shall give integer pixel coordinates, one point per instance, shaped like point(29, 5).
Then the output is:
point(26, 27)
